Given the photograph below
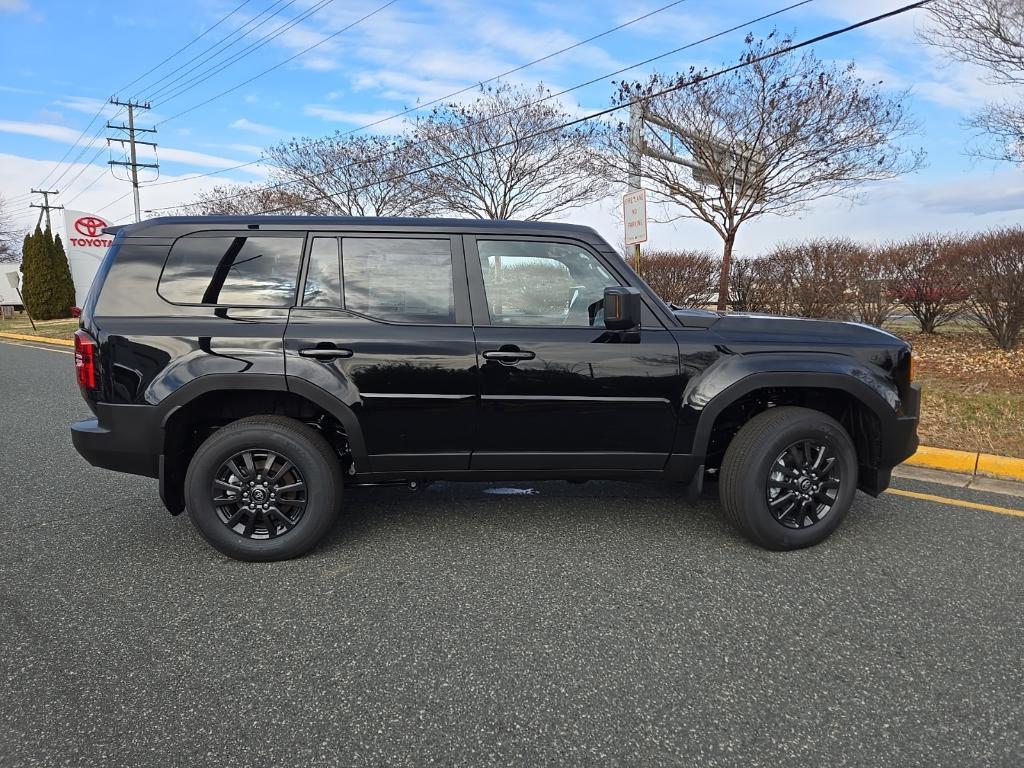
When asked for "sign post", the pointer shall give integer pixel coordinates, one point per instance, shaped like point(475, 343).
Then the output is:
point(14, 280)
point(634, 216)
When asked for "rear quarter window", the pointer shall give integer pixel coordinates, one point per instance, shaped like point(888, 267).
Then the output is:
point(250, 270)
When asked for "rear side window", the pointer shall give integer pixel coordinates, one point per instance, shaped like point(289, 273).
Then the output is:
point(403, 280)
point(323, 276)
point(258, 271)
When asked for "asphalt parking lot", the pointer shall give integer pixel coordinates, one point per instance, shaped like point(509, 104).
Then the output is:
point(597, 624)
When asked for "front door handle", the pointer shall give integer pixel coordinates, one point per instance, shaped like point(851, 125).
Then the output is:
point(508, 356)
point(325, 354)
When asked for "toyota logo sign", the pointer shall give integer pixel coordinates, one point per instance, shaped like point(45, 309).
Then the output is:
point(90, 226)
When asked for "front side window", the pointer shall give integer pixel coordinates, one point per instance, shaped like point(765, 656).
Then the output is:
point(259, 271)
point(538, 283)
point(402, 280)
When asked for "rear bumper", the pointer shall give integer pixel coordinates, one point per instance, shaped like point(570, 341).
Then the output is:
point(124, 438)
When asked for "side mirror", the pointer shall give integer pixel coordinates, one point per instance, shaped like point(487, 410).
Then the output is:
point(621, 308)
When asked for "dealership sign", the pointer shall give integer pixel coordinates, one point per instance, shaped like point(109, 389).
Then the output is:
point(86, 245)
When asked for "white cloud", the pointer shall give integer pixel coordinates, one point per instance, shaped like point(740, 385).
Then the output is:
point(86, 104)
point(65, 135)
point(46, 131)
point(16, 170)
point(243, 124)
point(389, 123)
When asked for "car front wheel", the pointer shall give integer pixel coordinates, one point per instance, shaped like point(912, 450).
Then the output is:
point(788, 478)
point(263, 488)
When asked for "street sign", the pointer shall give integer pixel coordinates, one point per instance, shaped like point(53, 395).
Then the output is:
point(634, 216)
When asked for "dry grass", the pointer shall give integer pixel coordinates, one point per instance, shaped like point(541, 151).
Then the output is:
point(52, 329)
point(973, 392)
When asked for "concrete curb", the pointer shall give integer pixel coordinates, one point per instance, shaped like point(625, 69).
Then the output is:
point(39, 339)
point(971, 463)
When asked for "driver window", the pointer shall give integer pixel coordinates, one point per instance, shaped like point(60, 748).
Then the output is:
point(537, 283)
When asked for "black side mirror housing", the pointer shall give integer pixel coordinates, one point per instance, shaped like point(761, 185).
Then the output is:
point(621, 308)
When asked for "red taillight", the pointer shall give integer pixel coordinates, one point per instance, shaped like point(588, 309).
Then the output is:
point(85, 360)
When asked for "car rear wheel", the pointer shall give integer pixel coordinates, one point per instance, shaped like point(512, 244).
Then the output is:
point(788, 478)
point(263, 488)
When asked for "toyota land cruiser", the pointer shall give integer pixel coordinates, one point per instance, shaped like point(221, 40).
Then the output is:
point(258, 365)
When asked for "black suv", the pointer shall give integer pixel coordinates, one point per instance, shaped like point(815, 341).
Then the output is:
point(257, 365)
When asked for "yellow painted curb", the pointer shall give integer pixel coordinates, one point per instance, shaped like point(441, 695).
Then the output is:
point(945, 458)
point(1000, 466)
point(41, 339)
point(969, 462)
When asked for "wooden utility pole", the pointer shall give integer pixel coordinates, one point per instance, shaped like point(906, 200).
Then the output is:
point(45, 208)
point(132, 163)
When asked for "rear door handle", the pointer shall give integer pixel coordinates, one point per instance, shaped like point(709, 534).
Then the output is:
point(325, 354)
point(508, 357)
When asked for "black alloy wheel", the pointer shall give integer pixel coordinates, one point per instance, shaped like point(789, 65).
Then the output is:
point(804, 484)
point(259, 494)
point(788, 477)
point(264, 488)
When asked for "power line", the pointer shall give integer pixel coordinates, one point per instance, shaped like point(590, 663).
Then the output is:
point(188, 44)
point(112, 202)
point(609, 110)
point(75, 145)
point(453, 94)
point(202, 77)
point(360, 20)
point(520, 68)
point(116, 114)
point(86, 167)
point(548, 97)
point(218, 48)
point(91, 184)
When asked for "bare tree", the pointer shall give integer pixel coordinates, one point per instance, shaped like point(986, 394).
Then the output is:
point(743, 285)
point(10, 237)
point(685, 278)
point(990, 34)
point(816, 276)
point(504, 156)
point(993, 269)
point(927, 279)
point(770, 137)
point(873, 280)
point(241, 199)
point(343, 175)
point(331, 176)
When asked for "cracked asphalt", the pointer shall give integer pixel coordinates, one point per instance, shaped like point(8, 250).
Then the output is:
point(597, 624)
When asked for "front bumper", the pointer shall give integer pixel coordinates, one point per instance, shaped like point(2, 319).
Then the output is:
point(899, 442)
point(124, 438)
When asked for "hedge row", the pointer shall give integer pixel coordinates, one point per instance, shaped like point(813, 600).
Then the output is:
point(934, 278)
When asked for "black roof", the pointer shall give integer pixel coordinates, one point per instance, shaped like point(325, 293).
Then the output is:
point(175, 226)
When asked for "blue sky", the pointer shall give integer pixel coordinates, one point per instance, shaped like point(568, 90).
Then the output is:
point(62, 59)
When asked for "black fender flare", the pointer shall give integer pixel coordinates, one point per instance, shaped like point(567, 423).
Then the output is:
point(272, 383)
point(732, 377)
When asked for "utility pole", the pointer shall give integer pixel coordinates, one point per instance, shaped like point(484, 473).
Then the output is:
point(45, 207)
point(132, 164)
